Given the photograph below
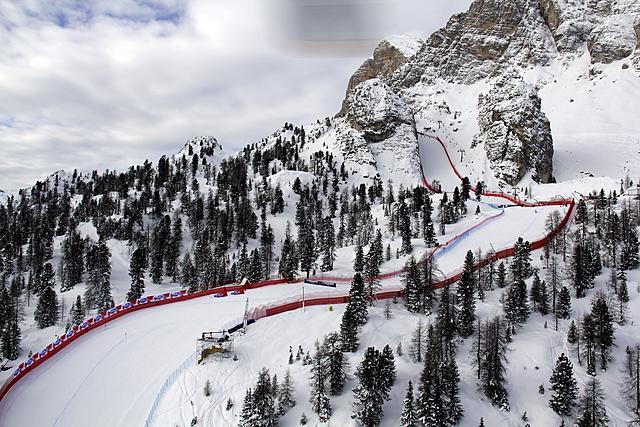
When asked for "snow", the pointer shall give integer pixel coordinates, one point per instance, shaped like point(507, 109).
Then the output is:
point(138, 352)
point(408, 44)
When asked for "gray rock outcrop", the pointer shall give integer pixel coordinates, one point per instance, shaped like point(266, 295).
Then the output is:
point(515, 132)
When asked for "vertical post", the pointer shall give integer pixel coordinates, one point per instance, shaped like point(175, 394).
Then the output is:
point(244, 321)
point(303, 296)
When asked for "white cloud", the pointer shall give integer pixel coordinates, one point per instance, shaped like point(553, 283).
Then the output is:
point(107, 83)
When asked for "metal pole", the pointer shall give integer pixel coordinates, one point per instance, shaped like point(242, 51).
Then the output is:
point(244, 321)
point(303, 297)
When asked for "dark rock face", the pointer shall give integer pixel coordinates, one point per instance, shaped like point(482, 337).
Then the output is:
point(387, 58)
point(515, 132)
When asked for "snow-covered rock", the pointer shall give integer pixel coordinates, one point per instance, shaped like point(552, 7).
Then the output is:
point(477, 43)
point(389, 55)
point(515, 132)
point(612, 40)
point(377, 111)
point(380, 130)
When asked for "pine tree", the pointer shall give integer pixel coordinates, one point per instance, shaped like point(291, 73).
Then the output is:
point(387, 310)
point(539, 295)
point(451, 404)
point(563, 386)
point(285, 395)
point(306, 246)
point(328, 245)
point(72, 258)
point(320, 402)
point(136, 273)
point(501, 278)
point(247, 410)
point(447, 321)
point(77, 312)
point(411, 280)
point(492, 365)
point(263, 408)
point(428, 230)
point(591, 409)
point(563, 307)
point(428, 280)
point(521, 264)
point(288, 259)
point(358, 300)
point(429, 402)
point(358, 263)
point(572, 333)
point(404, 227)
point(516, 308)
point(418, 346)
point(372, 389)
point(266, 249)
point(409, 418)
point(631, 383)
point(349, 330)
point(98, 291)
point(173, 249)
point(622, 289)
point(388, 367)
point(466, 297)
point(372, 270)
point(188, 273)
point(159, 242)
point(11, 336)
point(336, 361)
point(46, 313)
point(603, 328)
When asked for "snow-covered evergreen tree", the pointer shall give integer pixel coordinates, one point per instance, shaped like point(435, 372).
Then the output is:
point(412, 285)
point(409, 418)
point(136, 273)
point(77, 312)
point(320, 402)
point(372, 389)
point(285, 395)
point(466, 296)
point(46, 313)
point(563, 386)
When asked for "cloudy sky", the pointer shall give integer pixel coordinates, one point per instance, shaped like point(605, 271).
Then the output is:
point(96, 84)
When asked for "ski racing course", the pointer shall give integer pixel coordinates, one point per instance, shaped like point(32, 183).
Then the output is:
point(117, 364)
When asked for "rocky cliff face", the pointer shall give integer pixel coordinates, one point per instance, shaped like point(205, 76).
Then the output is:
point(608, 27)
point(514, 131)
point(478, 43)
point(388, 56)
point(379, 130)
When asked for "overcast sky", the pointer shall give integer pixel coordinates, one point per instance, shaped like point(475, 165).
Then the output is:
point(97, 84)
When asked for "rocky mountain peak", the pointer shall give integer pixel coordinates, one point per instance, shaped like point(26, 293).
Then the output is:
point(388, 56)
point(477, 43)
